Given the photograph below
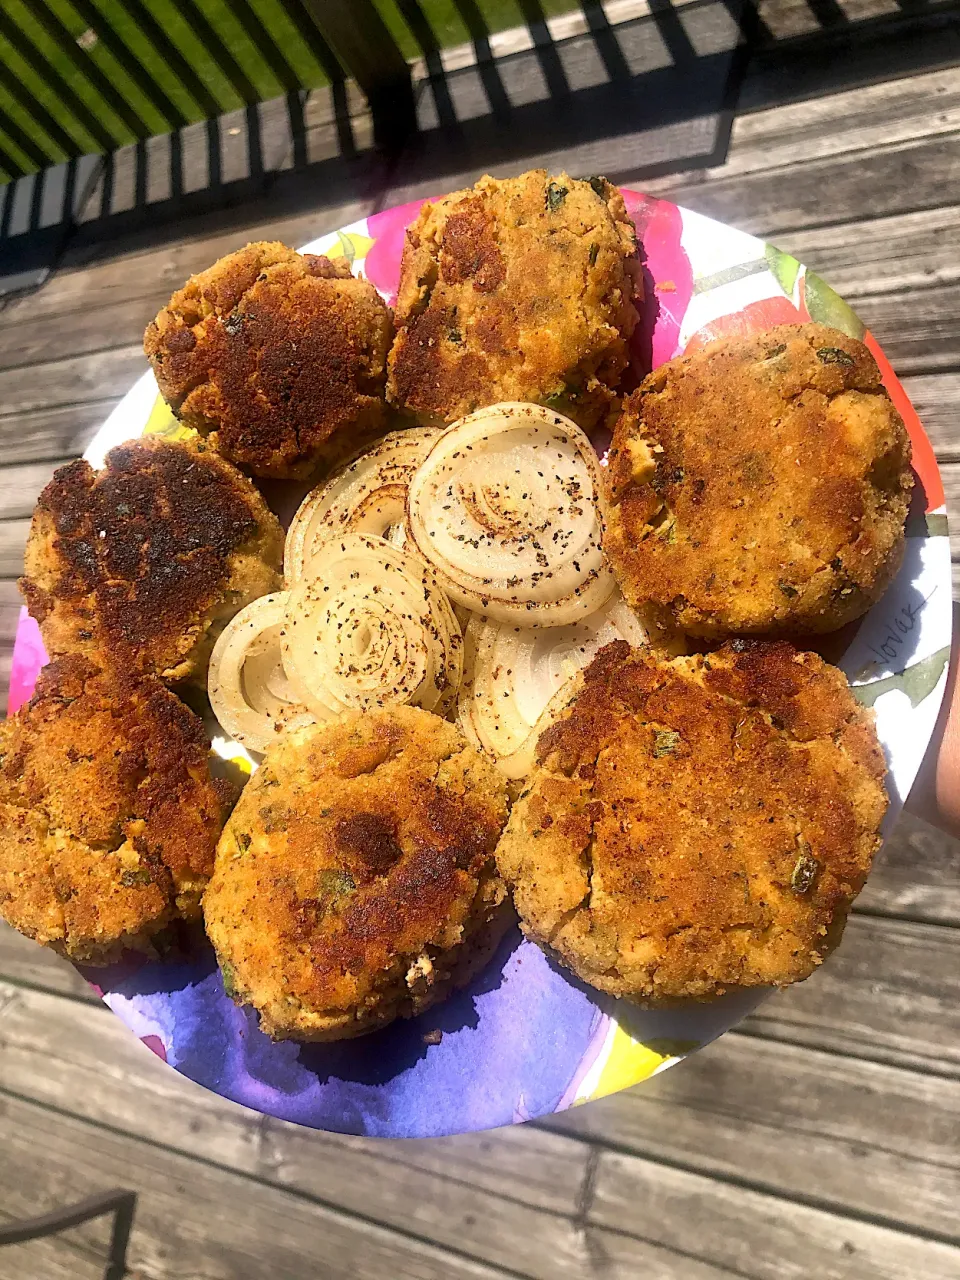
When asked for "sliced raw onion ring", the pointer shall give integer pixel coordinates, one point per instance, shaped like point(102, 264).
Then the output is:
point(367, 495)
point(368, 625)
point(505, 507)
point(248, 688)
point(514, 677)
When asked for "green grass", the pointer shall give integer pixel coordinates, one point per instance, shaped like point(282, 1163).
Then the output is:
point(449, 27)
point(443, 16)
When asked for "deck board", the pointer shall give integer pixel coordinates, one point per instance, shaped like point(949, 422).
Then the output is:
point(196, 1219)
point(819, 1139)
point(798, 1122)
point(754, 1234)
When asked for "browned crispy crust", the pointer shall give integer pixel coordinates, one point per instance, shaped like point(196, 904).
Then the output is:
point(108, 816)
point(355, 880)
point(760, 486)
point(272, 353)
point(697, 824)
point(516, 289)
point(141, 565)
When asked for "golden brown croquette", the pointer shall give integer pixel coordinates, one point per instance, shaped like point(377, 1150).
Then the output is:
point(355, 880)
point(760, 486)
point(697, 824)
point(278, 357)
point(142, 564)
point(108, 816)
point(516, 289)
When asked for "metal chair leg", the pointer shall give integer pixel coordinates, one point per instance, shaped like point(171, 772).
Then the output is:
point(120, 1203)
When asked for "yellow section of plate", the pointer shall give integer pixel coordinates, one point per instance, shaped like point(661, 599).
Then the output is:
point(163, 422)
point(628, 1062)
point(350, 245)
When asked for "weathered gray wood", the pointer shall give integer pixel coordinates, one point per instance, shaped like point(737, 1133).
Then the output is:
point(755, 1235)
point(442, 1209)
point(37, 341)
point(64, 431)
point(896, 254)
point(799, 1123)
point(22, 960)
point(198, 1220)
point(74, 380)
point(20, 487)
point(59, 1257)
point(10, 605)
point(936, 398)
point(890, 993)
point(855, 121)
point(447, 1190)
point(136, 266)
point(140, 176)
point(13, 539)
point(615, 1258)
point(915, 875)
point(786, 18)
point(771, 203)
point(920, 331)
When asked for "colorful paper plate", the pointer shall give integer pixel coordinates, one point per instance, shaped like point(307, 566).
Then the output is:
point(526, 1040)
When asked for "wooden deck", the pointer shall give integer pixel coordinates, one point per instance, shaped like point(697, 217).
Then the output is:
point(818, 1141)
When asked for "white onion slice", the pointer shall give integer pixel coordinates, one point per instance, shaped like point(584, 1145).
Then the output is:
point(514, 677)
point(367, 495)
point(248, 688)
point(505, 506)
point(367, 626)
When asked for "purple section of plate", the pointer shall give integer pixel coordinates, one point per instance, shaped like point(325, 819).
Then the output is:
point(510, 1045)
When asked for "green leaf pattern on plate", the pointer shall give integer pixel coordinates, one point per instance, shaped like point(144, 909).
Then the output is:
point(347, 245)
point(917, 682)
point(828, 307)
point(783, 268)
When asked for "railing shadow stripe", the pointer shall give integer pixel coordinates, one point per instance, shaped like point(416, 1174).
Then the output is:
point(547, 55)
point(41, 66)
point(38, 113)
point(113, 42)
point(487, 68)
point(423, 33)
point(608, 47)
point(169, 53)
point(310, 33)
point(9, 165)
point(192, 15)
point(258, 35)
point(23, 141)
point(95, 78)
point(121, 1204)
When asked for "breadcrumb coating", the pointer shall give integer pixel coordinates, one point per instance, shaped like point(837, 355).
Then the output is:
point(697, 824)
point(760, 486)
point(279, 358)
point(109, 818)
point(516, 289)
point(141, 565)
point(355, 880)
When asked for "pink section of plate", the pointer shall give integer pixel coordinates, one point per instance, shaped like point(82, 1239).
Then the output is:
point(29, 656)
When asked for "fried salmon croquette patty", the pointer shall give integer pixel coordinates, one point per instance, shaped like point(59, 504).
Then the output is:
point(697, 824)
point(355, 880)
point(142, 564)
point(516, 289)
point(278, 357)
point(108, 816)
point(760, 486)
